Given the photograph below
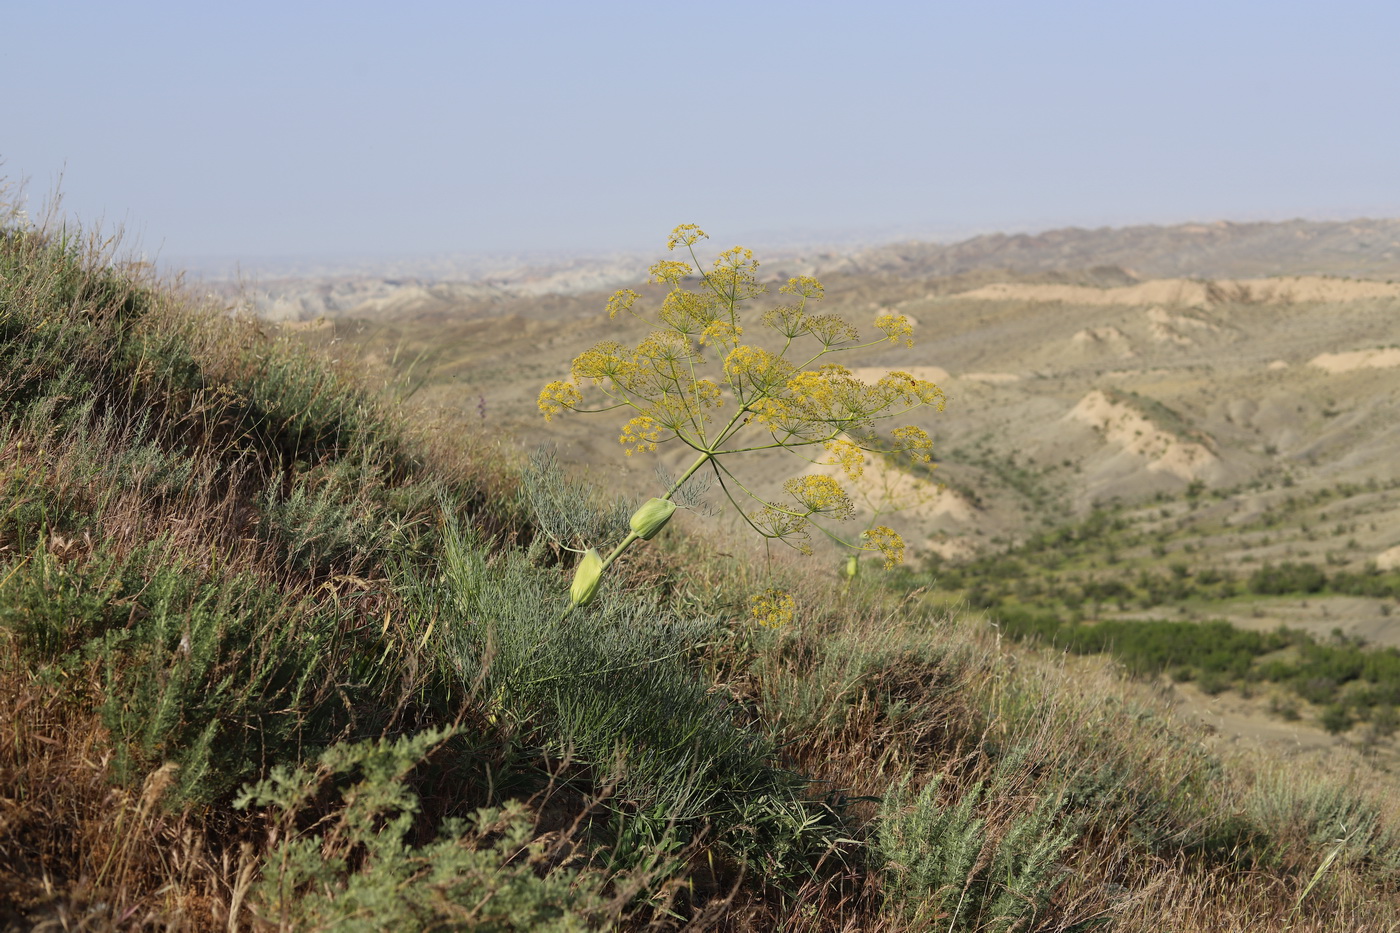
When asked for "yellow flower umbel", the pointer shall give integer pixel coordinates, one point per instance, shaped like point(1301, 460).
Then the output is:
point(706, 378)
point(558, 396)
point(888, 542)
point(772, 608)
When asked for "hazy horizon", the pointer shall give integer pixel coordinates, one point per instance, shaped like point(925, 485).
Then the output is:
point(485, 264)
point(283, 134)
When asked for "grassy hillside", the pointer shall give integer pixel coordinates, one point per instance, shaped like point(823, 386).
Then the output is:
point(278, 653)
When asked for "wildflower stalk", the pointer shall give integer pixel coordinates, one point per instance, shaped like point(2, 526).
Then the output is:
point(799, 405)
point(633, 536)
point(675, 487)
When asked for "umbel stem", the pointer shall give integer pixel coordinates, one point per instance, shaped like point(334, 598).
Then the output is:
point(598, 570)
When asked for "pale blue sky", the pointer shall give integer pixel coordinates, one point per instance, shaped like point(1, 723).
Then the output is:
point(278, 129)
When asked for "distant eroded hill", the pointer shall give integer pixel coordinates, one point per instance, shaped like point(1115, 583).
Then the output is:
point(1365, 248)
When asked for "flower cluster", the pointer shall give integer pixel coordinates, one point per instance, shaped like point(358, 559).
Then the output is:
point(888, 542)
point(848, 456)
point(669, 271)
point(820, 495)
point(686, 235)
point(772, 608)
point(913, 440)
point(640, 434)
point(897, 327)
point(622, 300)
point(558, 396)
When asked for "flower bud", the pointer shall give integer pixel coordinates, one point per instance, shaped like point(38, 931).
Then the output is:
point(852, 566)
point(651, 518)
point(586, 577)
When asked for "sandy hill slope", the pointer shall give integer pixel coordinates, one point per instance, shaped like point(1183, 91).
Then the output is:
point(250, 606)
point(1107, 366)
point(1062, 397)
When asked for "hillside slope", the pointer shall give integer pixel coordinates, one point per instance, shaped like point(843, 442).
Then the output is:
point(276, 653)
point(1234, 424)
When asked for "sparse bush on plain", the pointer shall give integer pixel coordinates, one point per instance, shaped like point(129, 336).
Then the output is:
point(1351, 681)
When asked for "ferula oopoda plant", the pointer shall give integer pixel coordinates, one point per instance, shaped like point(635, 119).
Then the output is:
point(725, 386)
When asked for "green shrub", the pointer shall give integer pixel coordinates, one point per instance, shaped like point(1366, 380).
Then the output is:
point(944, 863)
point(1271, 580)
point(214, 673)
point(1335, 718)
point(611, 690)
point(343, 859)
point(1307, 814)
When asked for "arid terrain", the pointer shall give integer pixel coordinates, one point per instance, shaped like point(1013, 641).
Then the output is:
point(1241, 411)
point(295, 633)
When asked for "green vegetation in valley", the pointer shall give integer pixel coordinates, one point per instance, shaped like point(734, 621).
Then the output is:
point(1071, 587)
point(1348, 681)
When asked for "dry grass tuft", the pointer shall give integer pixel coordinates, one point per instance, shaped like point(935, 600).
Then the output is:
point(79, 851)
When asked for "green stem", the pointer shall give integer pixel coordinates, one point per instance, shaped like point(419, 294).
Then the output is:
point(704, 458)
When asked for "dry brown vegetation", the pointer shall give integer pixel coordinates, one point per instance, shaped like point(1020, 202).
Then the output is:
point(277, 652)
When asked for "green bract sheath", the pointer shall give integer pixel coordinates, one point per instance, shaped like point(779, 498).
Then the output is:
point(586, 577)
point(651, 518)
